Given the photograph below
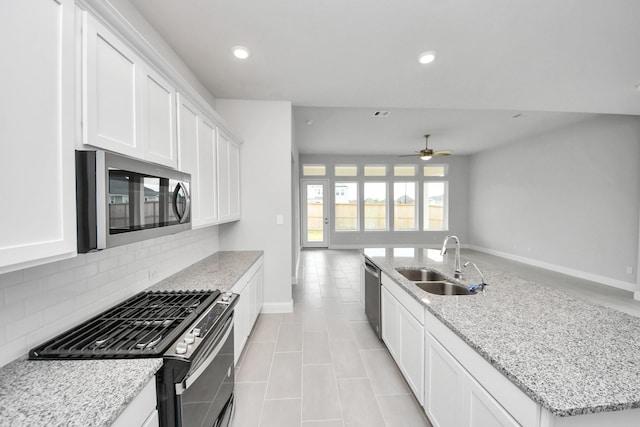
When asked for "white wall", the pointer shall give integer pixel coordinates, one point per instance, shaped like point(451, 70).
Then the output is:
point(458, 179)
point(567, 200)
point(265, 127)
point(40, 302)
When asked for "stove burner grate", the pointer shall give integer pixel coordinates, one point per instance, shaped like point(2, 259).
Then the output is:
point(142, 326)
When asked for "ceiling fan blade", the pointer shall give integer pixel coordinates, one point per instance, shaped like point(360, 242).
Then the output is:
point(409, 155)
point(443, 153)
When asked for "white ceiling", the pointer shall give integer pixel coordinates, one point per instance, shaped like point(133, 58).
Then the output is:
point(350, 58)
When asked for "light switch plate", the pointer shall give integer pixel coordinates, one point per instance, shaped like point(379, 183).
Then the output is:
point(279, 219)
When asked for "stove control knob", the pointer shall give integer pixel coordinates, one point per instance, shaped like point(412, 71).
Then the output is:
point(226, 296)
point(181, 348)
point(196, 332)
point(189, 338)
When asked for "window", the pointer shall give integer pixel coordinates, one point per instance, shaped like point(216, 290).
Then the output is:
point(436, 205)
point(435, 170)
point(375, 206)
point(346, 170)
point(404, 206)
point(314, 170)
point(346, 206)
point(404, 170)
point(375, 170)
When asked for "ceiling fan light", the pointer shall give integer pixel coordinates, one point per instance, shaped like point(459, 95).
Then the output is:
point(427, 57)
point(425, 157)
point(240, 52)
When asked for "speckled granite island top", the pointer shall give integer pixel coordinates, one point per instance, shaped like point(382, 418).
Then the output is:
point(569, 355)
point(71, 392)
point(218, 271)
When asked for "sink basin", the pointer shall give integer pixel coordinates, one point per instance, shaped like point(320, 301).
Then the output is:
point(444, 288)
point(421, 274)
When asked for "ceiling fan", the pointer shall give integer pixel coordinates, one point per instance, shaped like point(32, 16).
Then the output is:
point(427, 152)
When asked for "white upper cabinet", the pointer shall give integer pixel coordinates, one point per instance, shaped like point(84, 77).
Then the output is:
point(127, 107)
point(207, 176)
point(112, 88)
point(197, 142)
point(37, 133)
point(228, 178)
point(159, 132)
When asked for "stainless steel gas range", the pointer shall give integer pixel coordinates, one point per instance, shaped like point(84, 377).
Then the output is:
point(192, 331)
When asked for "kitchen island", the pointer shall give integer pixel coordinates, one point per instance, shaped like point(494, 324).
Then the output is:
point(579, 361)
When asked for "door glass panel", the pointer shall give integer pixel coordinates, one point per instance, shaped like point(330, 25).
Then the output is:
point(315, 213)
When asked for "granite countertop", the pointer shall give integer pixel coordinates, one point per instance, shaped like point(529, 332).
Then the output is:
point(95, 392)
point(569, 355)
point(218, 271)
point(70, 392)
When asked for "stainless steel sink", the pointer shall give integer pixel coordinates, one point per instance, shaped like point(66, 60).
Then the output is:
point(416, 274)
point(444, 288)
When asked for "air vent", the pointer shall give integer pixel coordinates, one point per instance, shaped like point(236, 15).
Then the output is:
point(381, 114)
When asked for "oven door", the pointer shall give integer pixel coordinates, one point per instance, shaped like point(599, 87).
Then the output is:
point(205, 396)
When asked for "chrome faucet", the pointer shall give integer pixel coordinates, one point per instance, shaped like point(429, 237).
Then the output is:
point(482, 284)
point(458, 270)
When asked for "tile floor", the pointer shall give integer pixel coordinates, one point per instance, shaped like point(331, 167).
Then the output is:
point(322, 365)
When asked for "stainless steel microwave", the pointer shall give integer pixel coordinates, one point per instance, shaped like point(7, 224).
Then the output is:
point(121, 200)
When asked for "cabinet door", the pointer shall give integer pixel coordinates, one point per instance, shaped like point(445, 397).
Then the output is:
point(240, 324)
point(228, 178)
point(112, 91)
point(389, 321)
point(412, 351)
point(224, 196)
point(37, 168)
point(159, 120)
point(188, 117)
point(259, 290)
point(207, 176)
point(443, 385)
point(234, 181)
point(481, 409)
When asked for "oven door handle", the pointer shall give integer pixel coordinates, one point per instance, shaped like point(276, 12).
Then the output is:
point(188, 381)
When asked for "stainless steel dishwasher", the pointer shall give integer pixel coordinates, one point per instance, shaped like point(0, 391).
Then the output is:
point(372, 295)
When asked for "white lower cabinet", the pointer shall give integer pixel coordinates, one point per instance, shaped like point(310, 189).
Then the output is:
point(453, 398)
point(481, 409)
point(443, 385)
point(141, 411)
point(403, 333)
point(246, 312)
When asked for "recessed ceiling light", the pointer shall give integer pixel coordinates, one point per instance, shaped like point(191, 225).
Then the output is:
point(427, 57)
point(240, 52)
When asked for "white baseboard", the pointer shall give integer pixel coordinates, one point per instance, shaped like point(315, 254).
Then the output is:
point(627, 286)
point(277, 307)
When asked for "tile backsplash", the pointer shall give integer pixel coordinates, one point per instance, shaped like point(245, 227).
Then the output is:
point(39, 302)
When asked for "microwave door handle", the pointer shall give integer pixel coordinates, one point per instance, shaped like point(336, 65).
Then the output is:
point(181, 217)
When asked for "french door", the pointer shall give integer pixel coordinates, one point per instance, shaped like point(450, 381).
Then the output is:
point(315, 213)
